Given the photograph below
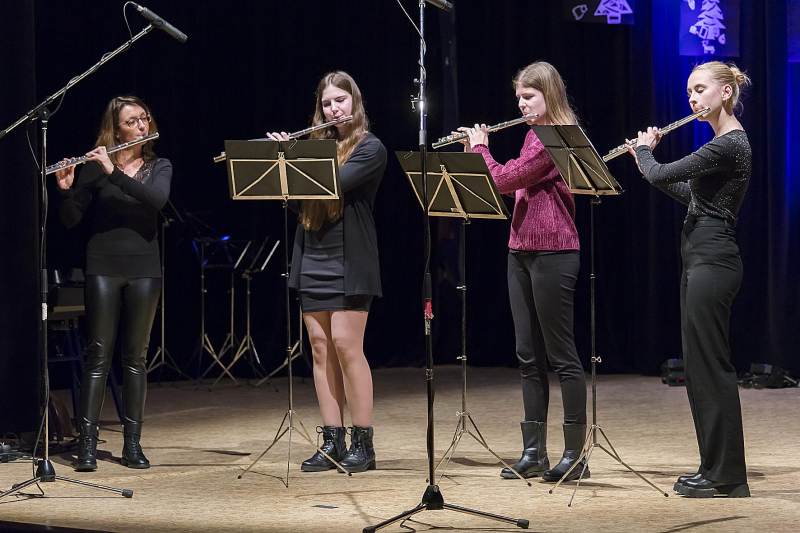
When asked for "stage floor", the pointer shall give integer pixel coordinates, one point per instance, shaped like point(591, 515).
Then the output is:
point(199, 442)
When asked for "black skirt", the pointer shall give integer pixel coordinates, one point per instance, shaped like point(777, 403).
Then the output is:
point(322, 273)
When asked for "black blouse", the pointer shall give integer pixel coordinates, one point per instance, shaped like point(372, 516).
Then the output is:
point(124, 214)
point(359, 178)
point(711, 181)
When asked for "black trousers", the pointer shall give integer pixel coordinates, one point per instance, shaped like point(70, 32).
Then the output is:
point(541, 286)
point(129, 303)
point(712, 274)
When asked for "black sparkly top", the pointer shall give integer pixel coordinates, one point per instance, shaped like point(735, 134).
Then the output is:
point(711, 181)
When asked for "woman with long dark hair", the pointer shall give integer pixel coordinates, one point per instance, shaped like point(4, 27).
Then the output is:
point(543, 263)
point(712, 182)
point(122, 192)
point(335, 268)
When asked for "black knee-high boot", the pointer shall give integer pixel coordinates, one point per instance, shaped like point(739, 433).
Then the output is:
point(534, 459)
point(574, 438)
point(361, 455)
point(333, 444)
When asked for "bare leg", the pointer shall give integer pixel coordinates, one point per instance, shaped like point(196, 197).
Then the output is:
point(327, 370)
point(347, 329)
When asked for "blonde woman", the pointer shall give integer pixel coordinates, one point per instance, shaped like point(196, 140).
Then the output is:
point(712, 182)
point(125, 191)
point(335, 268)
point(543, 263)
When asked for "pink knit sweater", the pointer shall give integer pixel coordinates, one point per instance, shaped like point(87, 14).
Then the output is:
point(544, 211)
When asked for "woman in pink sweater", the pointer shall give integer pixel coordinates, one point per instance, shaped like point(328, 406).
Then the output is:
point(543, 263)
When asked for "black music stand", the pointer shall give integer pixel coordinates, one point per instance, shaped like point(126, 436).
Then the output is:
point(284, 170)
point(162, 356)
point(584, 172)
point(451, 185)
point(461, 186)
point(249, 264)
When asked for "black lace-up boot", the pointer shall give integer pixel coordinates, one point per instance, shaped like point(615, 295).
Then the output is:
point(132, 455)
point(333, 444)
point(361, 455)
point(87, 453)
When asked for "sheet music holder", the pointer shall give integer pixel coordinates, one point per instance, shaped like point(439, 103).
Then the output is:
point(585, 172)
point(459, 185)
point(278, 170)
point(284, 170)
point(580, 165)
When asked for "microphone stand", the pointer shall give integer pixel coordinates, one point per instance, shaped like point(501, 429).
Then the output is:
point(45, 473)
point(432, 499)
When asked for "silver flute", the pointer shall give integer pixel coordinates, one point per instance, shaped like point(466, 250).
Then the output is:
point(622, 148)
point(450, 139)
point(83, 159)
point(221, 157)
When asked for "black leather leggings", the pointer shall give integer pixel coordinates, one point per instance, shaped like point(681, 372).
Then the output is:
point(130, 303)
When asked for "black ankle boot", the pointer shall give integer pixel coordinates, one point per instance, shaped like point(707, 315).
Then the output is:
point(132, 455)
point(333, 444)
point(361, 455)
point(574, 438)
point(534, 459)
point(87, 453)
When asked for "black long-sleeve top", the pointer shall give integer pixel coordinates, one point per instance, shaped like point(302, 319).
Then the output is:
point(124, 214)
point(359, 179)
point(711, 181)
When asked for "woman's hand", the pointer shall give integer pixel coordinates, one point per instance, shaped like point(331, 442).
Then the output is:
point(478, 134)
point(632, 151)
point(465, 140)
point(65, 176)
point(649, 138)
point(275, 136)
point(100, 155)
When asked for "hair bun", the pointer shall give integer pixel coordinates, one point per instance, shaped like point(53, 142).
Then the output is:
point(740, 78)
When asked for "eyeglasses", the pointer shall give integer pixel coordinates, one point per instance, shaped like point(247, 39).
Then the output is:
point(132, 123)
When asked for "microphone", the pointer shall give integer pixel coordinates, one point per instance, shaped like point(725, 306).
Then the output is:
point(441, 4)
point(160, 23)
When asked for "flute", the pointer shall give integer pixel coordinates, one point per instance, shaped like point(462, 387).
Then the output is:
point(221, 157)
point(622, 148)
point(450, 139)
point(83, 159)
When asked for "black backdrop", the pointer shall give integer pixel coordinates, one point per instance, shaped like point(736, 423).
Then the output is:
point(252, 66)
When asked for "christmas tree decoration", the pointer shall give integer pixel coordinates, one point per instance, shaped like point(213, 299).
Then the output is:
point(707, 31)
point(612, 12)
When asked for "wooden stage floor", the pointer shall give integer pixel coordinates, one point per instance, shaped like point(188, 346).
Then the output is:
point(200, 441)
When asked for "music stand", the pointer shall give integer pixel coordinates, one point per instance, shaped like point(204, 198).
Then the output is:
point(231, 340)
point(162, 356)
point(584, 172)
point(451, 185)
point(461, 186)
point(284, 170)
point(251, 264)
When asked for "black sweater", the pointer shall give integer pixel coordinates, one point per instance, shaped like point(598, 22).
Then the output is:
point(359, 178)
point(711, 181)
point(124, 213)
